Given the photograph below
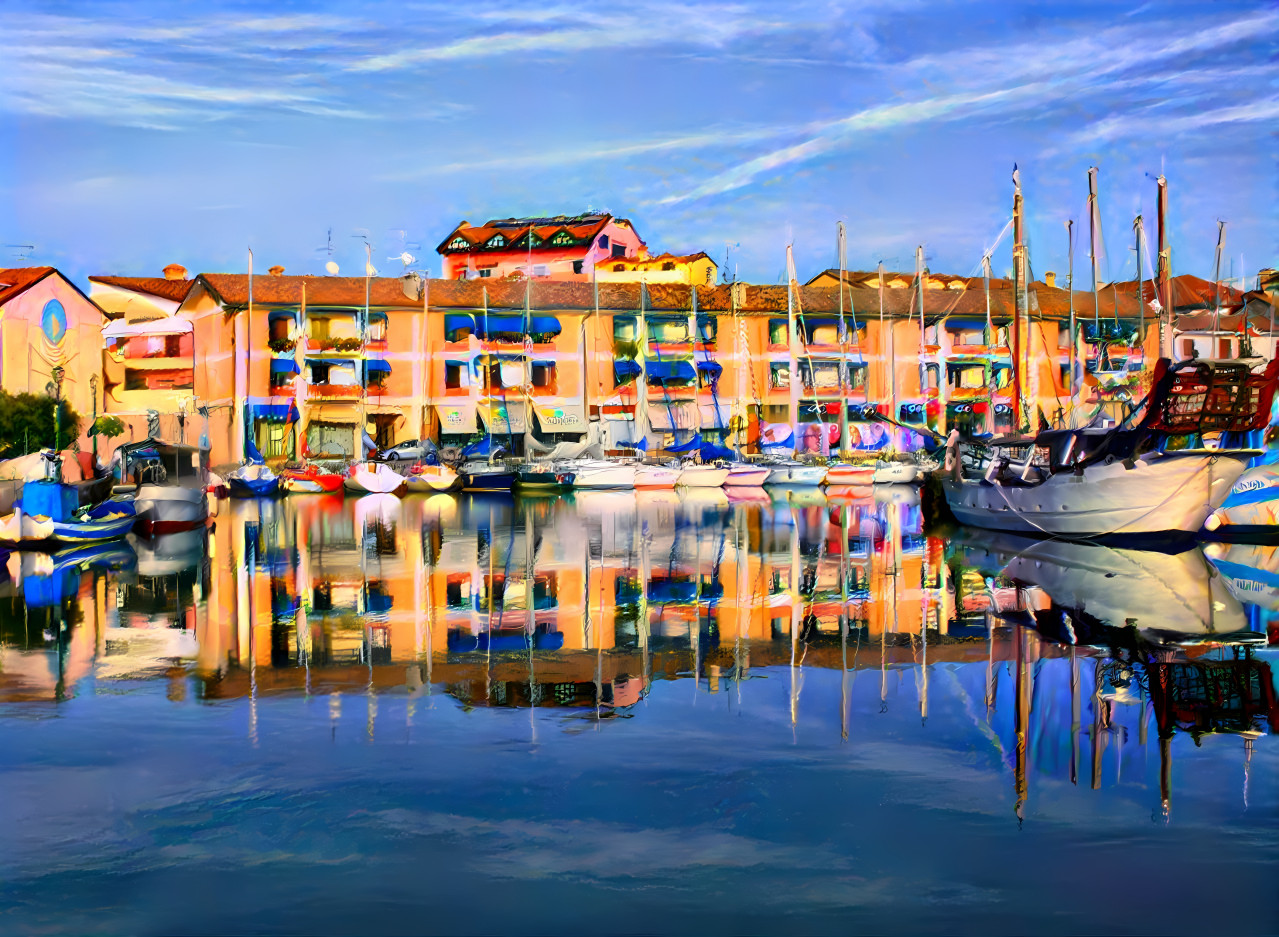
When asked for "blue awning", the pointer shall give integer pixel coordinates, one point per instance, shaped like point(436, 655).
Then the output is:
point(671, 371)
point(640, 444)
point(491, 324)
point(713, 368)
point(280, 412)
point(965, 325)
point(377, 365)
point(666, 590)
point(454, 321)
point(624, 369)
point(284, 366)
point(711, 452)
point(544, 325)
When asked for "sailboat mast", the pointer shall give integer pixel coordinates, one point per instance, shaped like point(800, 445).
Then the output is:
point(1019, 293)
point(1070, 288)
point(1141, 293)
point(1094, 223)
point(793, 339)
point(919, 286)
point(843, 339)
point(1216, 278)
point(1163, 271)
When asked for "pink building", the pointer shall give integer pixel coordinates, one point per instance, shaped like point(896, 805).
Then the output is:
point(563, 247)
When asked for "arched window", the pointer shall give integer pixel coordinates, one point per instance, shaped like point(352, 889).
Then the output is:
point(496, 241)
point(459, 244)
point(562, 239)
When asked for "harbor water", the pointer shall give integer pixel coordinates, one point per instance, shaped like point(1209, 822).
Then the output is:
point(635, 712)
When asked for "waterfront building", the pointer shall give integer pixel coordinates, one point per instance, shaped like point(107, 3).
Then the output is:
point(310, 365)
point(50, 336)
point(690, 269)
point(563, 247)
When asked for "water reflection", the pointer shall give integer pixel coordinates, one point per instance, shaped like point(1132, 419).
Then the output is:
point(1069, 653)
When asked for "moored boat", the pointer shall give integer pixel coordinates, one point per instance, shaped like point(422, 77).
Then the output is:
point(481, 475)
point(171, 485)
point(373, 478)
point(602, 473)
point(253, 480)
point(542, 477)
point(1251, 508)
point(310, 479)
point(432, 478)
point(746, 475)
point(850, 473)
point(794, 472)
point(696, 475)
point(650, 476)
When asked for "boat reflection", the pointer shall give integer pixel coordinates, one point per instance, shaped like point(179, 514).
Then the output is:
point(587, 602)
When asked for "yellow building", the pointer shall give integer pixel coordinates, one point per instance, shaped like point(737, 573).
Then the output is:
point(687, 269)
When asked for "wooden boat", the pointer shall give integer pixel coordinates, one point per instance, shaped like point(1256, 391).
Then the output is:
point(310, 479)
point(373, 478)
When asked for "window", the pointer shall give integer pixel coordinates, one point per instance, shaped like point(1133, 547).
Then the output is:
point(619, 250)
point(932, 378)
point(856, 376)
point(619, 268)
point(496, 240)
point(543, 374)
point(603, 242)
point(777, 329)
point(459, 244)
point(541, 270)
point(668, 265)
point(624, 328)
point(486, 273)
point(319, 373)
point(278, 328)
point(577, 266)
point(320, 329)
point(1187, 348)
point(967, 377)
point(172, 346)
point(707, 328)
point(377, 328)
point(562, 239)
point(779, 375)
point(453, 374)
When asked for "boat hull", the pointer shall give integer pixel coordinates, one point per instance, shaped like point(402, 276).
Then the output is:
point(311, 482)
point(1161, 494)
point(163, 509)
point(746, 476)
point(604, 475)
point(92, 531)
point(703, 476)
point(656, 476)
point(850, 474)
point(373, 478)
point(253, 487)
point(501, 480)
point(797, 474)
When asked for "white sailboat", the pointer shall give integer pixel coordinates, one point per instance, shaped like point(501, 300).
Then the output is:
point(1121, 481)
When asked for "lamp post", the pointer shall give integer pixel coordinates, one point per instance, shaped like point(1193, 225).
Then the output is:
point(58, 373)
point(93, 391)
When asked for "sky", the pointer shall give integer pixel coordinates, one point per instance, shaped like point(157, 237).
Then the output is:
point(141, 133)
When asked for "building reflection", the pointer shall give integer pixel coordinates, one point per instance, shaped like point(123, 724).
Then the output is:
point(586, 602)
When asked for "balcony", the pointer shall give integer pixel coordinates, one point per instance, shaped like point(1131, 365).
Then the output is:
point(330, 344)
point(335, 391)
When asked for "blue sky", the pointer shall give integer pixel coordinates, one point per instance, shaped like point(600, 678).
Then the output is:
point(141, 133)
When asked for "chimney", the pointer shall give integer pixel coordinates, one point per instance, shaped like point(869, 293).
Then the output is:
point(276, 271)
point(175, 272)
point(1050, 279)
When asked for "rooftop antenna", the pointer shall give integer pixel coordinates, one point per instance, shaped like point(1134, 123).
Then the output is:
point(24, 251)
point(330, 266)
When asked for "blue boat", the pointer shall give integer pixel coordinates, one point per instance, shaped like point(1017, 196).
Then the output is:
point(47, 512)
point(253, 481)
point(109, 520)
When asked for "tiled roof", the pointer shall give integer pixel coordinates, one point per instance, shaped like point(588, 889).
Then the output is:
point(174, 290)
point(547, 294)
point(650, 261)
point(581, 227)
point(1188, 291)
point(15, 280)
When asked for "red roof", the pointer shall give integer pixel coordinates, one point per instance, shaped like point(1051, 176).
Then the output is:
point(15, 280)
point(1188, 291)
point(174, 290)
point(581, 227)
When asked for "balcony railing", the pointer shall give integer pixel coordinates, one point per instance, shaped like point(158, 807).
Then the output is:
point(347, 345)
point(335, 390)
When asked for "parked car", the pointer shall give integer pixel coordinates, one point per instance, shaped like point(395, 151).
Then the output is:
point(410, 450)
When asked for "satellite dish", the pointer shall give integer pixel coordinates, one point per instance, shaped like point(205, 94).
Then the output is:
point(406, 258)
point(332, 268)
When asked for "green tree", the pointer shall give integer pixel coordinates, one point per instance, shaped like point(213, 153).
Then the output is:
point(26, 424)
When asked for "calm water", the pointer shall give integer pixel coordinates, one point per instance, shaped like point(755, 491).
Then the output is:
point(635, 714)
